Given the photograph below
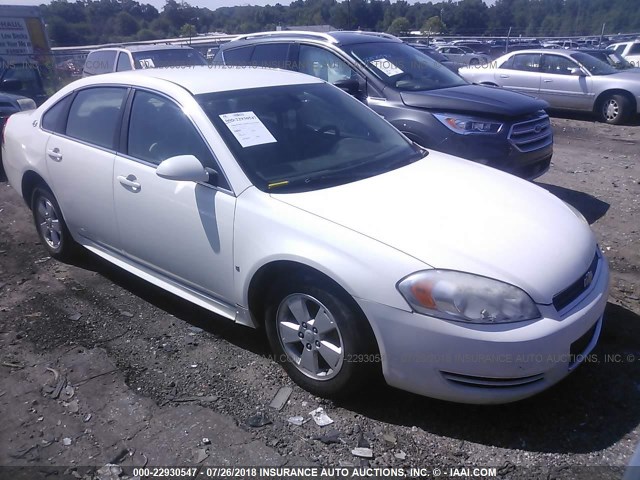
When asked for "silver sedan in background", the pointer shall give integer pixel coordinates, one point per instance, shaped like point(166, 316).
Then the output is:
point(465, 55)
point(567, 79)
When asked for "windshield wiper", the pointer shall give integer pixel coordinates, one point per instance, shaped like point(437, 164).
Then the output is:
point(320, 178)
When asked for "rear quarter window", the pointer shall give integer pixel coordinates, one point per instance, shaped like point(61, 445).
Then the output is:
point(55, 119)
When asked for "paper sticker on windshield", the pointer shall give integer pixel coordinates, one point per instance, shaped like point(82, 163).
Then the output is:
point(147, 63)
point(387, 67)
point(247, 128)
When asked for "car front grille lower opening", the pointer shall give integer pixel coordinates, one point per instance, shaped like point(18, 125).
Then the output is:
point(490, 382)
point(577, 288)
point(531, 135)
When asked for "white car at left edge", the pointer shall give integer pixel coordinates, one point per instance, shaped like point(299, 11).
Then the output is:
point(279, 201)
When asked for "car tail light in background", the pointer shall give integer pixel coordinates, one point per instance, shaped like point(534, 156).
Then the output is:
point(4, 121)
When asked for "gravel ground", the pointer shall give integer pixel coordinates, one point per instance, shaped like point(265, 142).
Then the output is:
point(173, 360)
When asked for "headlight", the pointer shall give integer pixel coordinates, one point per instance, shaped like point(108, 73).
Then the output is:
point(465, 297)
point(26, 104)
point(465, 125)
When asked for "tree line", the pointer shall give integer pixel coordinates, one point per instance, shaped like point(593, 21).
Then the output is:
point(105, 21)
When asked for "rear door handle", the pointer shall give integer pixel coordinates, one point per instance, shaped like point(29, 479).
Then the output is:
point(129, 181)
point(547, 81)
point(504, 76)
point(54, 154)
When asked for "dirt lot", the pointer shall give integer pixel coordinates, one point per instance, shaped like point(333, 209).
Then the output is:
point(99, 367)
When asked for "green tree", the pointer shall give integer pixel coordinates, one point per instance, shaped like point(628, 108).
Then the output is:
point(433, 25)
point(400, 26)
point(125, 24)
point(188, 30)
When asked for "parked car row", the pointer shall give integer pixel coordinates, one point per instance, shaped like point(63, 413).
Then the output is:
point(429, 104)
point(566, 79)
point(263, 195)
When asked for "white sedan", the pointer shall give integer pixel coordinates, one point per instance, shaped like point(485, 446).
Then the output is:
point(277, 200)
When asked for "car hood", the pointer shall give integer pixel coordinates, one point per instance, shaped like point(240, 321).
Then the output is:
point(454, 214)
point(625, 75)
point(474, 99)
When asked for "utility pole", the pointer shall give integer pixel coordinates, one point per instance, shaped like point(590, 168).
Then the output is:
point(601, 35)
point(506, 44)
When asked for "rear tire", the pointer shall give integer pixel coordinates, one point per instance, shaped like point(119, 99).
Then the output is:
point(614, 109)
point(50, 225)
point(320, 337)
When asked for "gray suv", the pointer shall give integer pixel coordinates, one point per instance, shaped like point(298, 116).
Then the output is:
point(431, 105)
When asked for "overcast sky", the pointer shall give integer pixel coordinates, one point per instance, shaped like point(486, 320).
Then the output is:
point(211, 4)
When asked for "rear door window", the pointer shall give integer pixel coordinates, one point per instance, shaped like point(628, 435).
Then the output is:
point(525, 62)
point(95, 115)
point(272, 55)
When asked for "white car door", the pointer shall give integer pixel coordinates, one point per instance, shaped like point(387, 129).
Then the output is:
point(182, 230)
point(80, 159)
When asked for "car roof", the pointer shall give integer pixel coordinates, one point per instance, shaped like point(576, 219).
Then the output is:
point(547, 51)
point(336, 38)
point(146, 48)
point(597, 50)
point(207, 79)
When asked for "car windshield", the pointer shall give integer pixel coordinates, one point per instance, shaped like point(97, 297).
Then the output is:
point(179, 57)
point(595, 66)
point(403, 67)
point(305, 137)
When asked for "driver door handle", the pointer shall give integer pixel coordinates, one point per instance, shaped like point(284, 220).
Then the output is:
point(129, 182)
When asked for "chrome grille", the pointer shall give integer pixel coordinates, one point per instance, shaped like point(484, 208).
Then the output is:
point(531, 135)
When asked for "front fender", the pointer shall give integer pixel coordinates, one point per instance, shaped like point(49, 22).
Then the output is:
point(267, 230)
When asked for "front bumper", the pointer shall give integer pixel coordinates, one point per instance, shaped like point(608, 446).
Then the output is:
point(487, 363)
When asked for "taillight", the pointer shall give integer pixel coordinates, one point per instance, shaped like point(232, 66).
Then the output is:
point(4, 127)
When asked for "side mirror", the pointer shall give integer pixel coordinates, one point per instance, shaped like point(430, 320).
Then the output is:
point(11, 85)
point(185, 168)
point(349, 85)
point(577, 72)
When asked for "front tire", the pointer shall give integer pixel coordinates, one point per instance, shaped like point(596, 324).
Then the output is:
point(50, 225)
point(321, 338)
point(614, 109)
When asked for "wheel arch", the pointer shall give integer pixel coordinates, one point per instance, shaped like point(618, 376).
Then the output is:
point(31, 180)
point(275, 271)
point(615, 91)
